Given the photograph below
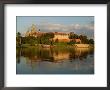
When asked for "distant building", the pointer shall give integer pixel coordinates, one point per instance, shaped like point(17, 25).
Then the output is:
point(61, 37)
point(58, 36)
point(33, 31)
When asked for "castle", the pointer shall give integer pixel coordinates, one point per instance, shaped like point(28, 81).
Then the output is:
point(60, 36)
point(33, 31)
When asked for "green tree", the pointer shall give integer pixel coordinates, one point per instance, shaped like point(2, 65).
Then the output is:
point(73, 36)
point(91, 41)
point(18, 39)
point(32, 40)
point(83, 39)
point(47, 38)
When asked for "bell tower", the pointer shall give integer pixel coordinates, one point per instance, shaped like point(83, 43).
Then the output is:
point(33, 28)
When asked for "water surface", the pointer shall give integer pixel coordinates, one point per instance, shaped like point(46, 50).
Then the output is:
point(35, 60)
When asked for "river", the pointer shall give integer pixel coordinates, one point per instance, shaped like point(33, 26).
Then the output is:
point(35, 60)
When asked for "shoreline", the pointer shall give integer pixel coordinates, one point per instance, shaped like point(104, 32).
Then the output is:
point(54, 46)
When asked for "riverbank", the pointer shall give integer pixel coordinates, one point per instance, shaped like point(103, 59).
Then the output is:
point(58, 46)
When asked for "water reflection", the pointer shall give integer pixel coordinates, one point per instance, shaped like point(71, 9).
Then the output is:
point(54, 59)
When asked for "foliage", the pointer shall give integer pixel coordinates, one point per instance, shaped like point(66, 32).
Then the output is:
point(83, 38)
point(47, 38)
point(91, 41)
point(73, 36)
point(43, 39)
point(18, 39)
point(71, 43)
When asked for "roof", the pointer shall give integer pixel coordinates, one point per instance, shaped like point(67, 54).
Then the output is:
point(60, 33)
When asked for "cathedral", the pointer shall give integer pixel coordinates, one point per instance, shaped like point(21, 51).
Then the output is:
point(33, 31)
point(59, 36)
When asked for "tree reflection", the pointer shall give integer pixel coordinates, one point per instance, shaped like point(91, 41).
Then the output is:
point(54, 55)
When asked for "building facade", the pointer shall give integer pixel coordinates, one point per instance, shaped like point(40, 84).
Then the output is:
point(58, 36)
point(61, 37)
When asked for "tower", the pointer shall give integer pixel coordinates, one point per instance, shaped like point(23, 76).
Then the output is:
point(33, 28)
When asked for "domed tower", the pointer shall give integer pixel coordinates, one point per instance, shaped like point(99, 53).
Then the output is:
point(32, 31)
point(33, 28)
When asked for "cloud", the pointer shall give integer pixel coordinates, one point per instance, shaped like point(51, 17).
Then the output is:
point(86, 29)
point(65, 28)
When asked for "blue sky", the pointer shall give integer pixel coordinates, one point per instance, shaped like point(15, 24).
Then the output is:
point(77, 24)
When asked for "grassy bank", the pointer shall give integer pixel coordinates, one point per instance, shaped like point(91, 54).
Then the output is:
point(57, 45)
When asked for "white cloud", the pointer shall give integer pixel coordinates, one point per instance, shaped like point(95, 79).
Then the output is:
point(65, 28)
point(87, 29)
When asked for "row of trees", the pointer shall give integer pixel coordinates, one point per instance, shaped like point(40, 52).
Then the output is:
point(47, 38)
point(43, 39)
point(83, 38)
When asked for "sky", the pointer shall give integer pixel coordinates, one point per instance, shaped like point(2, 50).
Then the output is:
point(77, 24)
